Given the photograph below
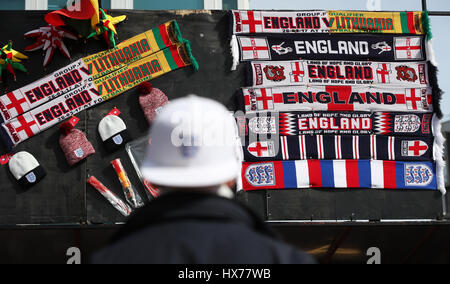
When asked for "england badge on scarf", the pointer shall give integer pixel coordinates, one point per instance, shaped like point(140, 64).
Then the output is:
point(408, 48)
point(254, 48)
point(340, 174)
point(264, 149)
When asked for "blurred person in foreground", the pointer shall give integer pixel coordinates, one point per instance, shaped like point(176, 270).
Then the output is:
point(193, 161)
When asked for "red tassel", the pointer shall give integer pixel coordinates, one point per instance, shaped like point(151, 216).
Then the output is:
point(67, 126)
point(145, 88)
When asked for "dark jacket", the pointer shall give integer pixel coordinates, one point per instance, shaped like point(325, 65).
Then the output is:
point(193, 228)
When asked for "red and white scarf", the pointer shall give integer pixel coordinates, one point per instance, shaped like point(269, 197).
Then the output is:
point(336, 98)
point(354, 73)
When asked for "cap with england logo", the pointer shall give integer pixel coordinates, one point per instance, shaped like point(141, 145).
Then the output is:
point(193, 145)
point(26, 169)
point(113, 131)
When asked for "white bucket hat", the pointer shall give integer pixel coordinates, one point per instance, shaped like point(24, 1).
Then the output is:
point(193, 145)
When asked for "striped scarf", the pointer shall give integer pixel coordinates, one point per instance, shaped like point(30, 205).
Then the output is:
point(338, 147)
point(339, 174)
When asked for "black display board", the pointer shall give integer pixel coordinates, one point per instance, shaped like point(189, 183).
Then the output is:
point(65, 198)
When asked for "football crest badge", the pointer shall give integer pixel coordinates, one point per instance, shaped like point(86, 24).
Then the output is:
point(405, 73)
point(274, 73)
point(418, 175)
point(264, 149)
point(261, 175)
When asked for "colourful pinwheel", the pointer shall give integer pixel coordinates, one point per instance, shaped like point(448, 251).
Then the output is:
point(49, 39)
point(105, 27)
point(10, 60)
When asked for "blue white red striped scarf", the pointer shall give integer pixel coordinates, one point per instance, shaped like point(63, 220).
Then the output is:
point(340, 174)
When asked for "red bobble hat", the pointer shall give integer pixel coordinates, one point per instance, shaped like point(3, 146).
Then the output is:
point(74, 143)
point(151, 100)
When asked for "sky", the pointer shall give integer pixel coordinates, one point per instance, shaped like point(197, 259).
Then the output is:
point(440, 26)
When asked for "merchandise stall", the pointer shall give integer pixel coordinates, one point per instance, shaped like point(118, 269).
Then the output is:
point(64, 198)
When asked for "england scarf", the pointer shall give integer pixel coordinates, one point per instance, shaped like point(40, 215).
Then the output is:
point(337, 147)
point(76, 76)
point(339, 123)
point(341, 174)
point(354, 73)
point(253, 22)
point(335, 98)
point(95, 92)
point(348, 47)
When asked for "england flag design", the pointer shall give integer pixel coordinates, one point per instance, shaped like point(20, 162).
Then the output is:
point(254, 48)
point(13, 104)
point(408, 48)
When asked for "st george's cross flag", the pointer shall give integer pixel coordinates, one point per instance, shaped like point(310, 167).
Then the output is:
point(254, 48)
point(340, 174)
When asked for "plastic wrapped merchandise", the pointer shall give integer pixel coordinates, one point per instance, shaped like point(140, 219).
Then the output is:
point(115, 201)
point(131, 194)
point(136, 151)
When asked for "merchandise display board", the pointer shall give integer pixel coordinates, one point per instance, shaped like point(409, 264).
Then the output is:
point(64, 197)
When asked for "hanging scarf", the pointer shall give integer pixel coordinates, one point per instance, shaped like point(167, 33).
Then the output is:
point(337, 147)
point(335, 98)
point(340, 174)
point(339, 123)
point(78, 74)
point(349, 47)
point(95, 92)
point(354, 73)
point(253, 22)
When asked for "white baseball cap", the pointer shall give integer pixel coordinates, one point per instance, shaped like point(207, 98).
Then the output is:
point(193, 145)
